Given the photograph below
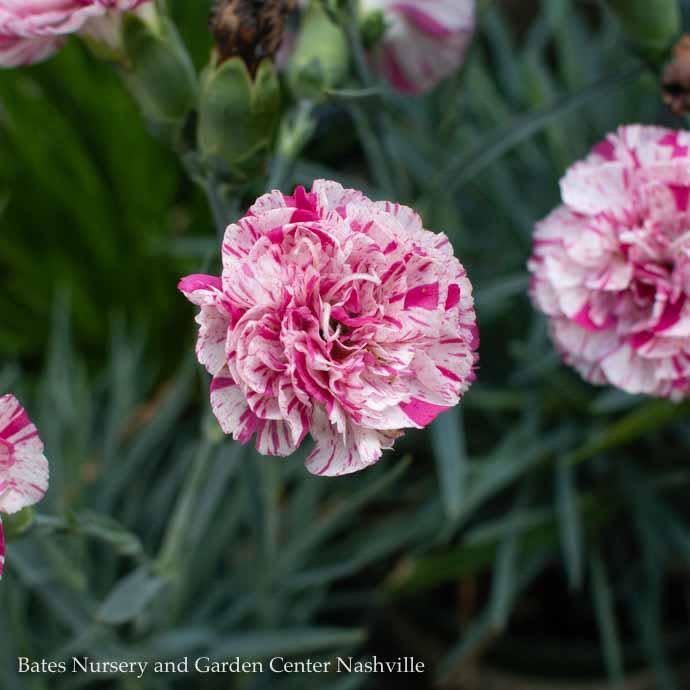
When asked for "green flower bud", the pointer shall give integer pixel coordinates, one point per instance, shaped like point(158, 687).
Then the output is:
point(161, 74)
point(652, 26)
point(17, 524)
point(320, 60)
point(238, 116)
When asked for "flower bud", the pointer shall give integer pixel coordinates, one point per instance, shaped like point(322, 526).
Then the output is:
point(418, 42)
point(652, 26)
point(161, 74)
point(238, 116)
point(321, 58)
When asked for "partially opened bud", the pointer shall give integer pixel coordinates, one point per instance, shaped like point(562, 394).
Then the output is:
point(417, 43)
point(652, 26)
point(320, 60)
point(238, 115)
point(161, 74)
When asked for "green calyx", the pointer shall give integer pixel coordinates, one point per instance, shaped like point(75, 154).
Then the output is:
point(238, 115)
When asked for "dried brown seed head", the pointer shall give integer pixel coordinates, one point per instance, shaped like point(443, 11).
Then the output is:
point(250, 29)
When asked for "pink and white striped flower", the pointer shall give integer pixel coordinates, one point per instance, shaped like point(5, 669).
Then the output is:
point(334, 316)
point(33, 30)
point(424, 40)
point(611, 266)
point(23, 467)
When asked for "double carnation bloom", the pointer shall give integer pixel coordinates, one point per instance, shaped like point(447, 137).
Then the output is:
point(611, 266)
point(334, 316)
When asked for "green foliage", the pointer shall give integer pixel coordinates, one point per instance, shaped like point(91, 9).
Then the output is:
point(177, 536)
point(91, 205)
point(651, 26)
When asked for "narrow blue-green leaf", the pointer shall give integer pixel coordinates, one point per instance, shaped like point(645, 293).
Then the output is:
point(651, 416)
point(606, 620)
point(481, 629)
point(131, 596)
point(504, 581)
point(450, 454)
point(569, 523)
point(464, 169)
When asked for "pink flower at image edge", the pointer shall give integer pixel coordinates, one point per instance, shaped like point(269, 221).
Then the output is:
point(23, 467)
point(335, 316)
point(33, 30)
point(611, 266)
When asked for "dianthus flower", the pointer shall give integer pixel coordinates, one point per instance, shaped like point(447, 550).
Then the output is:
point(335, 316)
point(611, 266)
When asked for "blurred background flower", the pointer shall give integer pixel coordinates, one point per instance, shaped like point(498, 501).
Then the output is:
point(33, 30)
point(611, 266)
point(422, 41)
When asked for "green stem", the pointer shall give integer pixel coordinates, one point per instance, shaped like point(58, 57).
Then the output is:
point(216, 204)
point(374, 150)
point(376, 145)
point(359, 55)
point(296, 132)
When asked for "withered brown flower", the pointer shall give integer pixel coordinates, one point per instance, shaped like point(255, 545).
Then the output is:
point(250, 29)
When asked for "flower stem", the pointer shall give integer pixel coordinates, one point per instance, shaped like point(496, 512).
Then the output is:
point(295, 133)
point(215, 201)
